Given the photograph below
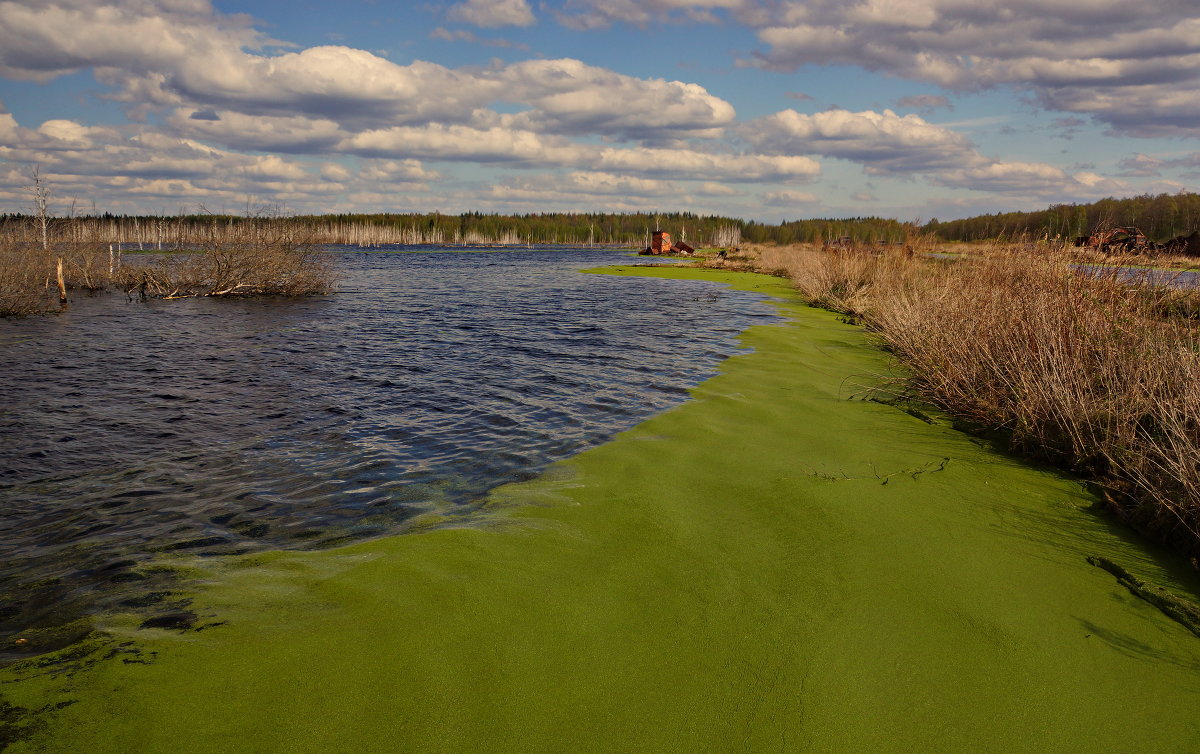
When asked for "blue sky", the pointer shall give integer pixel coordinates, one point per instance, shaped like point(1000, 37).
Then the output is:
point(762, 109)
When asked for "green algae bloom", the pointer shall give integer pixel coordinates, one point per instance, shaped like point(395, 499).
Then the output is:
point(773, 566)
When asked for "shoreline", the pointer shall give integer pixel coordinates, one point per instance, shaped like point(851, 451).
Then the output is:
point(768, 566)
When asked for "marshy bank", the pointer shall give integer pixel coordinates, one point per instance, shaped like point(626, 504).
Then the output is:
point(1094, 368)
point(769, 566)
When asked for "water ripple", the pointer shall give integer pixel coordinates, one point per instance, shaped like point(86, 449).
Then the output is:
point(220, 427)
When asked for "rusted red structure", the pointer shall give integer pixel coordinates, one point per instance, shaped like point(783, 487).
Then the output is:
point(1123, 239)
point(661, 243)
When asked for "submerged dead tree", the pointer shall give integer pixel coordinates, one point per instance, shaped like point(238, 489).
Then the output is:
point(41, 210)
point(28, 262)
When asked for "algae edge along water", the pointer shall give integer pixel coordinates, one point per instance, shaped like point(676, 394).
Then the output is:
point(768, 566)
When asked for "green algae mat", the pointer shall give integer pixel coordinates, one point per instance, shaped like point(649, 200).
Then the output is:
point(776, 565)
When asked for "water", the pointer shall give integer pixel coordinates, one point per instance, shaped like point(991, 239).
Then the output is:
point(1185, 279)
point(224, 426)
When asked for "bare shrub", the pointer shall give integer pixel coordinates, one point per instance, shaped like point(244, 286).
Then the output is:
point(29, 269)
point(23, 273)
point(257, 257)
point(250, 257)
point(87, 262)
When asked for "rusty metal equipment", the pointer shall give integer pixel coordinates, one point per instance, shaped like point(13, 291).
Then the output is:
point(1121, 239)
point(662, 245)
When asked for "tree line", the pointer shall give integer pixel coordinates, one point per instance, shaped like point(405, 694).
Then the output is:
point(1161, 217)
point(150, 232)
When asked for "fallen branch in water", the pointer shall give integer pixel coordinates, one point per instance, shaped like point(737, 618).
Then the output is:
point(1176, 608)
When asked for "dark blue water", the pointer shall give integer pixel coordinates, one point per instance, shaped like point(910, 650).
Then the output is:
point(223, 426)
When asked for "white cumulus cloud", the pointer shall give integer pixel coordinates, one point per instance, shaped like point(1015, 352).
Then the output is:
point(492, 13)
point(1031, 179)
point(1133, 66)
point(569, 96)
point(790, 198)
point(695, 165)
point(883, 142)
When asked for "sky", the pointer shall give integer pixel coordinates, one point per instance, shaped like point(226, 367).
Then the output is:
point(762, 109)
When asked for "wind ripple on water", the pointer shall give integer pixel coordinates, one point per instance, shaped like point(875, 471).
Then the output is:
point(226, 426)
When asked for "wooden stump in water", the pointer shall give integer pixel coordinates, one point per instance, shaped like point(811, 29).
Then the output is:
point(62, 283)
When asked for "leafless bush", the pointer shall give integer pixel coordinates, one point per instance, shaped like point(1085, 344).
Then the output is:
point(30, 260)
point(252, 258)
point(23, 274)
point(87, 266)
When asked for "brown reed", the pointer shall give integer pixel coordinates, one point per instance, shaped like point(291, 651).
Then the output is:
point(1095, 369)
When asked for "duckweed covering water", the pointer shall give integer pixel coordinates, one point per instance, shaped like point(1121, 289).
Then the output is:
point(770, 567)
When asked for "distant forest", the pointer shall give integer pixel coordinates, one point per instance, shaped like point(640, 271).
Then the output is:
point(626, 229)
point(631, 229)
point(1160, 217)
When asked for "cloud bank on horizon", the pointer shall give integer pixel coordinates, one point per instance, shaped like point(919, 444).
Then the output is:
point(765, 109)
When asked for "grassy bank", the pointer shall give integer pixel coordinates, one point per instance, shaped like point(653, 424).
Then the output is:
point(769, 567)
point(1097, 372)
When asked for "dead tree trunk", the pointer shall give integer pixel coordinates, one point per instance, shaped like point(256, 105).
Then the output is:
point(62, 283)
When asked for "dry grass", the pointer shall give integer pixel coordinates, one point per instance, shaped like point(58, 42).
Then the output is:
point(1098, 372)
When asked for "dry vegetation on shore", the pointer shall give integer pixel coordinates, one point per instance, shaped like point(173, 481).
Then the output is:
point(1097, 371)
point(256, 257)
